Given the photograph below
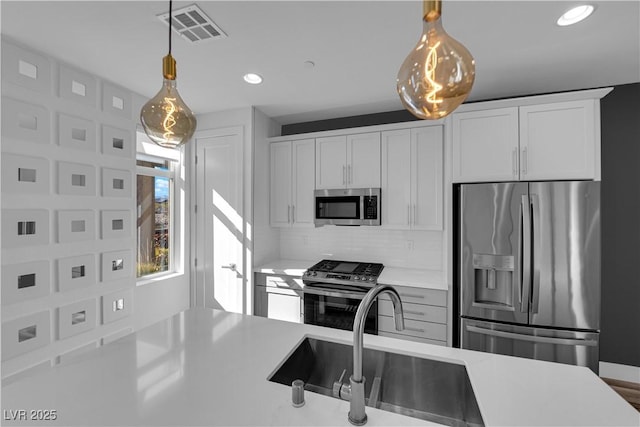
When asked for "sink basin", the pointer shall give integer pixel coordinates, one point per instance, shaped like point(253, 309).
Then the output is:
point(428, 389)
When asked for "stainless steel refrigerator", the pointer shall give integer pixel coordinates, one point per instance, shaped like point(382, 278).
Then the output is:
point(529, 270)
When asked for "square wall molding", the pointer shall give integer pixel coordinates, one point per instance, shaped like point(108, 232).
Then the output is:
point(78, 86)
point(117, 265)
point(116, 183)
point(25, 227)
point(116, 224)
point(76, 272)
point(76, 318)
point(76, 179)
point(25, 281)
point(76, 226)
point(117, 305)
point(25, 122)
point(24, 174)
point(20, 336)
point(117, 142)
point(116, 100)
point(76, 133)
point(25, 68)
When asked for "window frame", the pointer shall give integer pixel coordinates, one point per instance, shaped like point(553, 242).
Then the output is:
point(148, 151)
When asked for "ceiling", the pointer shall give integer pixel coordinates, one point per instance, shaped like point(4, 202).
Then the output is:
point(357, 48)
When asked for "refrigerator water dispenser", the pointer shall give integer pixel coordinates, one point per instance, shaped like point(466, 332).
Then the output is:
point(493, 280)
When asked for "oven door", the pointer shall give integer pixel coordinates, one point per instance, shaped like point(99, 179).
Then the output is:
point(336, 308)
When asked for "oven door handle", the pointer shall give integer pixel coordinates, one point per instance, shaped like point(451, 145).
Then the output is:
point(334, 293)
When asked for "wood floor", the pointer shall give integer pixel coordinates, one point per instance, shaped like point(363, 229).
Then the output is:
point(628, 390)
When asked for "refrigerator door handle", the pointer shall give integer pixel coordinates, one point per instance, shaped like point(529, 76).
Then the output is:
point(535, 299)
point(525, 259)
point(532, 338)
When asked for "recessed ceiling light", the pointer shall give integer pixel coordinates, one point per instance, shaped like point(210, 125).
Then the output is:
point(252, 78)
point(575, 15)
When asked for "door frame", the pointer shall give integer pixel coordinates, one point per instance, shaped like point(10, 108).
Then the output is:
point(197, 288)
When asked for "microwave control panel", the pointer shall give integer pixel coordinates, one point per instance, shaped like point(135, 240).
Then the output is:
point(370, 207)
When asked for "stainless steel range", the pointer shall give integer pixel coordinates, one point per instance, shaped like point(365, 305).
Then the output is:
point(333, 290)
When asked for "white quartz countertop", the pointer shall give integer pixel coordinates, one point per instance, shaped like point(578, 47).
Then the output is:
point(207, 368)
point(413, 277)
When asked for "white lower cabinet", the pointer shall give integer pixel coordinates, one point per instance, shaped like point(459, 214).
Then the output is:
point(278, 297)
point(425, 315)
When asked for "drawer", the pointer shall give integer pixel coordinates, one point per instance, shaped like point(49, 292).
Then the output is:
point(414, 328)
point(410, 338)
point(424, 313)
point(413, 295)
point(278, 281)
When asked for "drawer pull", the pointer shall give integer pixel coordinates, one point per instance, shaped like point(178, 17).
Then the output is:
point(414, 330)
point(417, 313)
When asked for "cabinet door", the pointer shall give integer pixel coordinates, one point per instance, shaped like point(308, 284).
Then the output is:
point(485, 145)
point(331, 162)
point(280, 304)
point(426, 178)
point(280, 184)
point(363, 160)
point(396, 178)
point(303, 182)
point(558, 141)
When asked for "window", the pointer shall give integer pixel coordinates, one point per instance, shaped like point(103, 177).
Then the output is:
point(156, 204)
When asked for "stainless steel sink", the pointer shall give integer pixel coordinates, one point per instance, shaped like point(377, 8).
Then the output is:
point(422, 388)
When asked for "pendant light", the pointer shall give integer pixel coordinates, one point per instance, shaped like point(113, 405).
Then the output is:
point(166, 119)
point(437, 75)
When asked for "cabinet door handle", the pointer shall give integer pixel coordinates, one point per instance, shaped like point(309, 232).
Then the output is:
point(349, 175)
point(344, 174)
point(293, 214)
point(288, 214)
point(514, 162)
point(408, 214)
point(421, 331)
point(416, 313)
point(525, 160)
point(415, 214)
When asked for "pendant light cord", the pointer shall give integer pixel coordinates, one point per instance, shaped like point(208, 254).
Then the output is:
point(170, 22)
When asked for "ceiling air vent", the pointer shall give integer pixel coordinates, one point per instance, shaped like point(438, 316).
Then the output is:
point(193, 24)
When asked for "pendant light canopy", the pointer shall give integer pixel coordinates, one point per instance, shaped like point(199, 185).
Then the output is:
point(166, 119)
point(437, 75)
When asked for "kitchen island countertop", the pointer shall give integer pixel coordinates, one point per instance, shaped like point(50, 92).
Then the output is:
point(398, 276)
point(208, 367)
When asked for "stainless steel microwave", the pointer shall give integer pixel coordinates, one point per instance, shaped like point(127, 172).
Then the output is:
point(347, 206)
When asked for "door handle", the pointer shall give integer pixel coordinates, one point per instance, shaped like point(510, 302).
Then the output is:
point(535, 298)
point(514, 162)
point(408, 214)
point(349, 175)
point(344, 174)
point(231, 267)
point(525, 160)
point(293, 214)
point(526, 254)
point(532, 338)
point(288, 214)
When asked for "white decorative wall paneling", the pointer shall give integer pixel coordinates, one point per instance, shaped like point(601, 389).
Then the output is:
point(25, 121)
point(116, 265)
point(117, 305)
point(76, 318)
point(76, 133)
point(116, 224)
point(25, 334)
point(24, 227)
point(77, 86)
point(76, 272)
point(25, 281)
point(26, 69)
point(76, 226)
point(116, 183)
point(25, 174)
point(117, 142)
point(76, 179)
point(116, 100)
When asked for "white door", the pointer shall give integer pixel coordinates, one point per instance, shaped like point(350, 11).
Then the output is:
point(363, 160)
point(396, 178)
point(331, 162)
point(303, 184)
point(220, 222)
point(280, 184)
point(485, 145)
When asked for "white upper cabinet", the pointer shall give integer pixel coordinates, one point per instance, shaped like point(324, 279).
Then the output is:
point(348, 161)
point(485, 145)
point(292, 183)
point(557, 141)
point(412, 178)
point(551, 141)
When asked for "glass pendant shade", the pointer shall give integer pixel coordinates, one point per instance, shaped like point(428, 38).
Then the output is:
point(438, 74)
